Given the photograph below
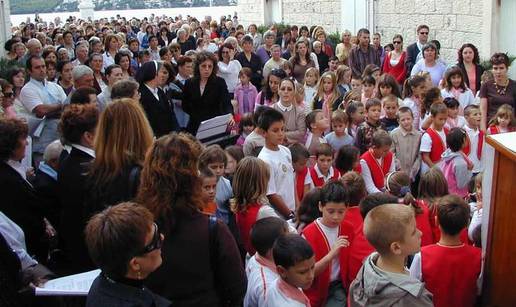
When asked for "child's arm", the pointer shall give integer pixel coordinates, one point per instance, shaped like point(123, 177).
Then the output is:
point(425, 156)
point(322, 264)
point(279, 204)
point(368, 178)
point(426, 123)
point(463, 172)
point(483, 114)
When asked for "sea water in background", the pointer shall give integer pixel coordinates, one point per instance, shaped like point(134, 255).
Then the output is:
point(198, 12)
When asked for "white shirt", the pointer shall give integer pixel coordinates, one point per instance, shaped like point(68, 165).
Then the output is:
point(414, 107)
point(154, 91)
point(331, 235)
point(461, 122)
point(309, 180)
point(229, 72)
point(87, 150)
point(107, 60)
point(284, 108)
point(473, 139)
point(465, 99)
point(259, 281)
point(368, 177)
point(426, 146)
point(282, 180)
point(276, 298)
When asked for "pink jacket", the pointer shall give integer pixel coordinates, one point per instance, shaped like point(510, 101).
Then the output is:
point(240, 91)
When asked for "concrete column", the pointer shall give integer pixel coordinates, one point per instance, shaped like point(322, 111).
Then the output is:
point(353, 15)
point(5, 24)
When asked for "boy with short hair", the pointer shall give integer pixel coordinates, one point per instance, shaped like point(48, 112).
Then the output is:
point(339, 137)
point(295, 261)
point(300, 156)
point(214, 158)
point(333, 64)
point(391, 230)
point(281, 191)
point(208, 190)
point(371, 125)
point(356, 82)
point(377, 162)
point(322, 171)
point(476, 137)
point(433, 141)
point(450, 269)
point(330, 237)
point(260, 269)
point(255, 141)
point(390, 107)
point(316, 124)
point(405, 144)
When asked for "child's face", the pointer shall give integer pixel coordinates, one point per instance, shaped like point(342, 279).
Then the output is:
point(373, 114)
point(324, 163)
point(453, 112)
point(380, 152)
point(231, 165)
point(411, 240)
point(274, 83)
point(391, 108)
point(275, 135)
point(419, 90)
point(327, 85)
point(347, 77)
point(321, 122)
point(248, 129)
point(376, 75)
point(310, 79)
point(333, 65)
point(356, 84)
point(368, 89)
point(287, 71)
point(406, 120)
point(456, 80)
point(439, 120)
point(332, 213)
point(217, 168)
point(209, 188)
point(478, 192)
point(300, 164)
point(339, 128)
point(359, 116)
point(244, 79)
point(385, 90)
point(473, 119)
point(301, 275)
point(503, 121)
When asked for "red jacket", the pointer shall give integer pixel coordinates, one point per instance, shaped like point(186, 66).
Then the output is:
point(318, 181)
point(300, 183)
point(318, 292)
point(438, 146)
point(398, 71)
point(451, 273)
point(245, 221)
point(480, 144)
point(378, 171)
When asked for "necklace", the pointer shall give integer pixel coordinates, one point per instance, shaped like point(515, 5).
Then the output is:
point(502, 89)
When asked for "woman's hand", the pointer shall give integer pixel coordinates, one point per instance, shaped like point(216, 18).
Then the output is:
point(231, 121)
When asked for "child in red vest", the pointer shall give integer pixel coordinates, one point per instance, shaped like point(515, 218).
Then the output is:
point(250, 190)
point(322, 171)
point(475, 137)
point(300, 156)
point(330, 238)
point(208, 190)
point(377, 162)
point(294, 259)
point(450, 269)
point(398, 184)
point(503, 121)
point(456, 166)
point(433, 141)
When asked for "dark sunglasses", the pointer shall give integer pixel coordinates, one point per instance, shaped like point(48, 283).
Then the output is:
point(155, 244)
point(397, 42)
point(8, 95)
point(424, 33)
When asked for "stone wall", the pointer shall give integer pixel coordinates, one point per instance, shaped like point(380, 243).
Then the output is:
point(452, 23)
point(250, 11)
point(325, 13)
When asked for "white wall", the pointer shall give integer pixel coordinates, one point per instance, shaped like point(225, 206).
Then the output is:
point(5, 24)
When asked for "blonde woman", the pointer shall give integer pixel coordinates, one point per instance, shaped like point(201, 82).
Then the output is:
point(123, 137)
point(343, 49)
point(328, 96)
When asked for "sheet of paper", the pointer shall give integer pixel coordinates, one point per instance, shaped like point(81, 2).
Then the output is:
point(506, 139)
point(77, 284)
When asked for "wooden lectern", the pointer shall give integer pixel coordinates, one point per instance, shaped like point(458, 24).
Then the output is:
point(500, 250)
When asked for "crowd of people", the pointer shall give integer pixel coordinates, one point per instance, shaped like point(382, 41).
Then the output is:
point(356, 178)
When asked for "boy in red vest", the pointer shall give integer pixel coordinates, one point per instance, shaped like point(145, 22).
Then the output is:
point(322, 171)
point(433, 141)
point(383, 280)
point(450, 269)
point(377, 162)
point(330, 238)
point(475, 136)
point(300, 156)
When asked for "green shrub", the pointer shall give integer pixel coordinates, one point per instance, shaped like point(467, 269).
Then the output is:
point(486, 63)
point(6, 65)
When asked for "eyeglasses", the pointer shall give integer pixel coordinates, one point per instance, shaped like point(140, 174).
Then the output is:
point(155, 244)
point(9, 94)
point(397, 42)
point(423, 33)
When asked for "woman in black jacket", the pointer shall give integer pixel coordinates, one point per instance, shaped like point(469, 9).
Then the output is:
point(205, 96)
point(469, 63)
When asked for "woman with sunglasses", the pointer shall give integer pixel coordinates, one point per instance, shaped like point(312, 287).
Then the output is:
point(394, 62)
point(7, 99)
point(125, 243)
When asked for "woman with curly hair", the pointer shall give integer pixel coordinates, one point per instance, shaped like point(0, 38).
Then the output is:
point(202, 265)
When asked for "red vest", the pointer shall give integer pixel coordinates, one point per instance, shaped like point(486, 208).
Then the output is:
point(300, 183)
point(438, 146)
point(467, 149)
point(451, 273)
point(318, 292)
point(424, 225)
point(245, 220)
point(318, 181)
point(378, 171)
point(493, 129)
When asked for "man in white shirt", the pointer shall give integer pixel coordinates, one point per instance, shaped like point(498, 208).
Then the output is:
point(45, 100)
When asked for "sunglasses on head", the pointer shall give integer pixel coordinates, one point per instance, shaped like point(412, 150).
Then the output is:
point(155, 244)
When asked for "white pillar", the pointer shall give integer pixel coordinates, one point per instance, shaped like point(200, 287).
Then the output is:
point(353, 15)
point(5, 24)
point(86, 7)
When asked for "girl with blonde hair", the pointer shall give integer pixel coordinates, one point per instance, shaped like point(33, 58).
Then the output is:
point(328, 96)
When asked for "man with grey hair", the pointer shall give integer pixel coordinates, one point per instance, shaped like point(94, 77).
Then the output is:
point(82, 76)
point(34, 47)
point(81, 54)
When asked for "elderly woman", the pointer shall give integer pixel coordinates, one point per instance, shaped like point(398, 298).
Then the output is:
point(469, 63)
point(228, 67)
point(203, 266)
point(264, 51)
point(205, 95)
point(497, 92)
point(125, 243)
point(430, 63)
point(344, 48)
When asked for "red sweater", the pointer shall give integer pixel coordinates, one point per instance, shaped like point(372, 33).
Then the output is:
point(398, 71)
point(318, 292)
point(245, 221)
point(451, 273)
